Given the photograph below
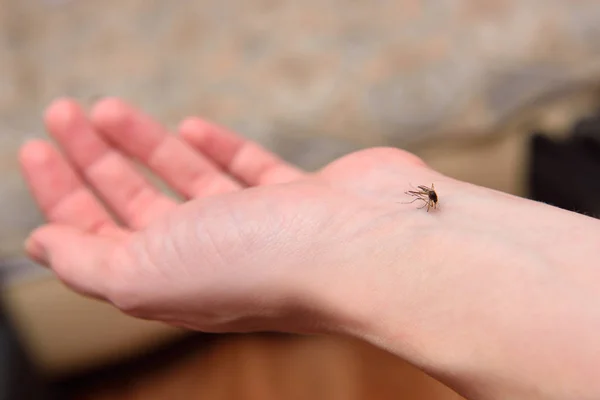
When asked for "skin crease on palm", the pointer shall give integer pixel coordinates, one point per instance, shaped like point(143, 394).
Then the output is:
point(492, 294)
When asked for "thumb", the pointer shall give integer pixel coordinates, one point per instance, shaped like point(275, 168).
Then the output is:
point(78, 259)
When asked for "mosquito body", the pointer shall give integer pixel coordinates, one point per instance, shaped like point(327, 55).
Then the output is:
point(426, 194)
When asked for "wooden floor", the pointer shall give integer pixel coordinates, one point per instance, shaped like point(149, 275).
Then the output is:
point(264, 366)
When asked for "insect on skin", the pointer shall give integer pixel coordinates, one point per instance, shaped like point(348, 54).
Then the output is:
point(426, 194)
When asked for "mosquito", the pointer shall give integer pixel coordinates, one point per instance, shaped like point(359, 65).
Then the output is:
point(426, 194)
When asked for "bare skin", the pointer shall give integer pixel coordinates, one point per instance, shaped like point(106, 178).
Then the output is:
point(496, 296)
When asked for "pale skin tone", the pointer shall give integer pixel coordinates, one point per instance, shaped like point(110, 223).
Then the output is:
point(494, 295)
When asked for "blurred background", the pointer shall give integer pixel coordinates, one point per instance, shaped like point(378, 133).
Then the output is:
point(500, 93)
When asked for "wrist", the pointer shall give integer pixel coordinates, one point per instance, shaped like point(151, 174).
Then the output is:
point(477, 299)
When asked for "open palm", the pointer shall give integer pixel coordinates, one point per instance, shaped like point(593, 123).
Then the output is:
point(255, 241)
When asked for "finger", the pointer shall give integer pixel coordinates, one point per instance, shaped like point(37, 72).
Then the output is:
point(79, 259)
point(175, 161)
point(244, 159)
point(60, 193)
point(114, 178)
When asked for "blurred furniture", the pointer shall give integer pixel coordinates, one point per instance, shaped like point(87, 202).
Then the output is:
point(65, 332)
point(261, 367)
point(19, 379)
point(564, 172)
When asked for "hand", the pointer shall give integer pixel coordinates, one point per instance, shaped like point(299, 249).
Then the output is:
point(231, 257)
point(474, 293)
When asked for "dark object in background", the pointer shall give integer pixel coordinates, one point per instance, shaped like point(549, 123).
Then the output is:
point(566, 173)
point(18, 378)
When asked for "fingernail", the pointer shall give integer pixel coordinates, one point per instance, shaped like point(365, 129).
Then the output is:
point(36, 251)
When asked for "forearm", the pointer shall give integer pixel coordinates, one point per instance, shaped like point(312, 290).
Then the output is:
point(498, 297)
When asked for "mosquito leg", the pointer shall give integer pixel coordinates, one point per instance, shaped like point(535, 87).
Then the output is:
point(410, 202)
